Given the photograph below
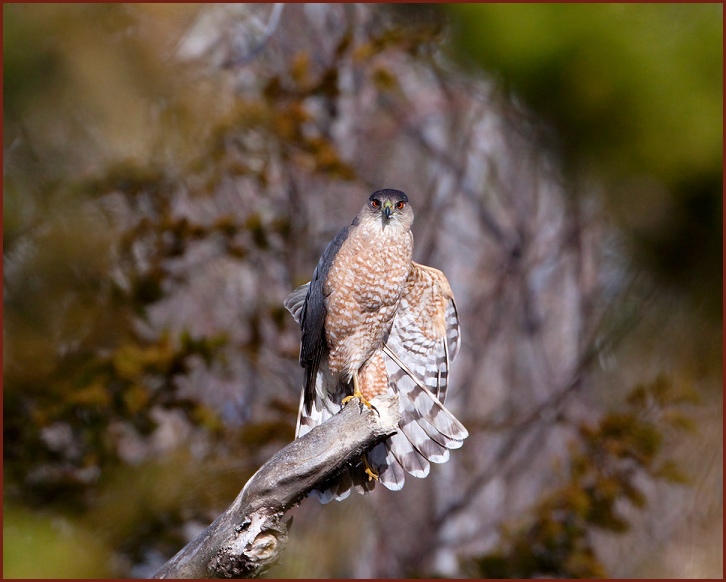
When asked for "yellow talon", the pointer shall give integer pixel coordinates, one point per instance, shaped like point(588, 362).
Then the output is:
point(369, 470)
point(357, 394)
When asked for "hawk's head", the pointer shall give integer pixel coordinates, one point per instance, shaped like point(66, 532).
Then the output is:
point(391, 207)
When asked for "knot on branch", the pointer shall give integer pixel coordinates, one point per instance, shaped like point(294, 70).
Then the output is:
point(256, 545)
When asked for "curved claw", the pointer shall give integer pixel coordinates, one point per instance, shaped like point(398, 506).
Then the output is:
point(372, 475)
point(357, 394)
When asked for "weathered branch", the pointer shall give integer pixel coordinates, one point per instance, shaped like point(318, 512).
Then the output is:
point(249, 536)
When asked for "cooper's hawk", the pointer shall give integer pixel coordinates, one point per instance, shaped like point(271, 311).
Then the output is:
point(374, 321)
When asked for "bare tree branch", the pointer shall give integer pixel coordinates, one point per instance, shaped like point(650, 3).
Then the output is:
point(270, 28)
point(249, 536)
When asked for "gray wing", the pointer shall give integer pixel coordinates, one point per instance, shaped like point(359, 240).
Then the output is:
point(423, 341)
point(295, 302)
point(312, 316)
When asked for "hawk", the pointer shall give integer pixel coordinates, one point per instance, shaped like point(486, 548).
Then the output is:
point(374, 322)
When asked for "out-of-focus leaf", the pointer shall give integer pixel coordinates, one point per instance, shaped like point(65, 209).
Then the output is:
point(38, 546)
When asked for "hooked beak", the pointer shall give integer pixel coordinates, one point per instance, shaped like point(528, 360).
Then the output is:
point(387, 208)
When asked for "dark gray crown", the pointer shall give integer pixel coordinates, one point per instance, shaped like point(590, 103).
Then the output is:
point(390, 193)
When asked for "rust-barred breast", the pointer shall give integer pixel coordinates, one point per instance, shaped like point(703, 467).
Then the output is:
point(363, 291)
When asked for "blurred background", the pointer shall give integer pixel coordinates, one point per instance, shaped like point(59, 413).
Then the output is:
point(172, 172)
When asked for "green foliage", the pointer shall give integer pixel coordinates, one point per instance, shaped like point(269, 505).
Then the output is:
point(101, 387)
point(619, 81)
point(607, 461)
point(635, 95)
point(38, 546)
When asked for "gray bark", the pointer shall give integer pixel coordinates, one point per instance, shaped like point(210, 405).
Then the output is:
point(249, 536)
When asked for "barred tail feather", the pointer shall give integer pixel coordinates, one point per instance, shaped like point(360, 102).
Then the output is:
point(434, 434)
point(390, 472)
point(422, 399)
point(419, 438)
point(408, 457)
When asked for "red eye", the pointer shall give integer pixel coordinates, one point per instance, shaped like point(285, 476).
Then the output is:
point(375, 203)
point(400, 204)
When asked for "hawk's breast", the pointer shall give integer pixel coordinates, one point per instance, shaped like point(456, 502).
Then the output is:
point(363, 290)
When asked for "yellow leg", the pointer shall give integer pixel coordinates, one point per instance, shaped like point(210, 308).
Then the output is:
point(357, 393)
point(371, 473)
